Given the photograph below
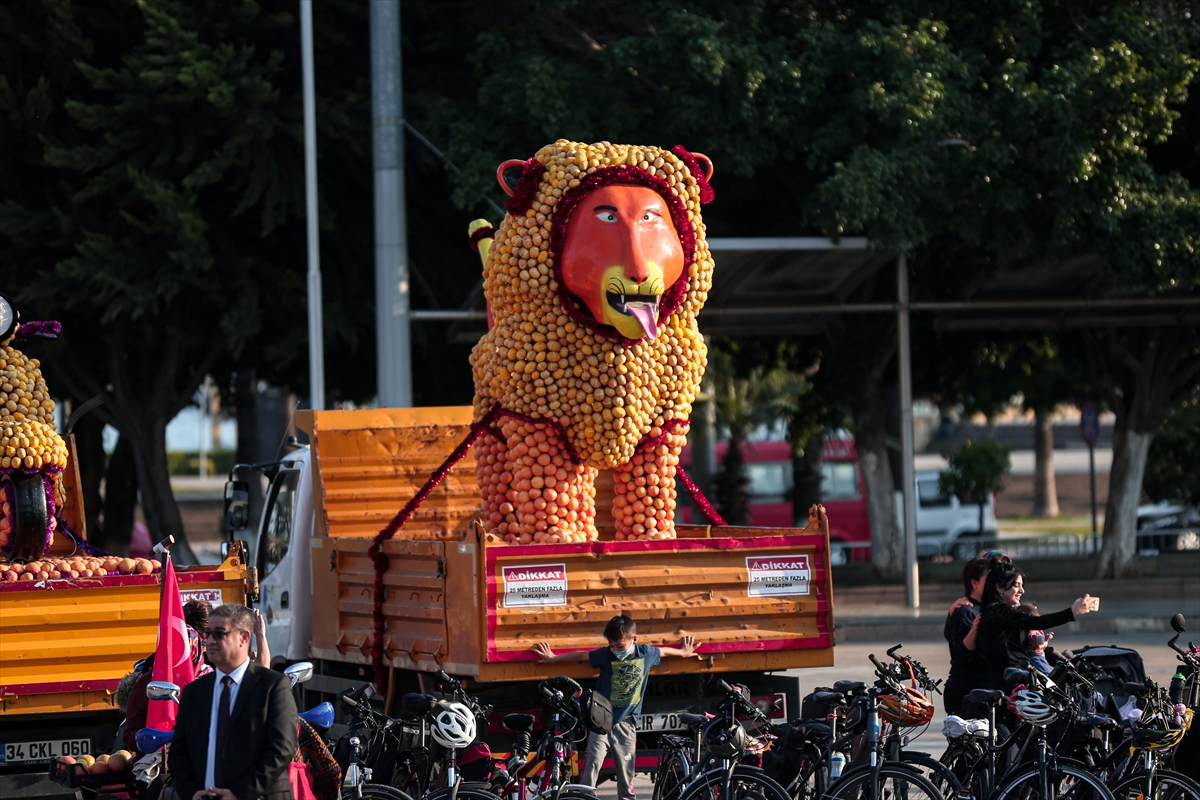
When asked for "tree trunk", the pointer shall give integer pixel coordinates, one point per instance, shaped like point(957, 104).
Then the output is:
point(120, 498)
point(1045, 492)
point(1118, 553)
point(89, 446)
point(149, 445)
point(806, 483)
point(1145, 373)
point(870, 439)
point(731, 485)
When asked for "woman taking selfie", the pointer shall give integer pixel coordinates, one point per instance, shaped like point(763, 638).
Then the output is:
point(1002, 624)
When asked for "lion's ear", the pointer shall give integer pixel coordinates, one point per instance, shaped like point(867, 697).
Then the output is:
point(508, 175)
point(705, 162)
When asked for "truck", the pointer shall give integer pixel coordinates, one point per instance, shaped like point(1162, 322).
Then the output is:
point(456, 599)
point(65, 645)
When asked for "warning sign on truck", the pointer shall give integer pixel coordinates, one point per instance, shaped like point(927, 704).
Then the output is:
point(772, 576)
point(535, 585)
point(210, 595)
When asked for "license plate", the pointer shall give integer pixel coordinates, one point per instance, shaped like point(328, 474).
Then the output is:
point(655, 723)
point(16, 752)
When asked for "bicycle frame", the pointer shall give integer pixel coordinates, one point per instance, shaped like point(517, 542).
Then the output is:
point(554, 750)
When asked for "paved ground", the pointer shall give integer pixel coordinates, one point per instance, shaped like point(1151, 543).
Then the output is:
point(851, 663)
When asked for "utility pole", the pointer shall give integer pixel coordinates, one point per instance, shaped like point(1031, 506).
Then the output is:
point(912, 576)
point(394, 360)
point(316, 325)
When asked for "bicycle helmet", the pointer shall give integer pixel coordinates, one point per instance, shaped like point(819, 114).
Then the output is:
point(453, 725)
point(724, 740)
point(907, 709)
point(1161, 738)
point(1029, 706)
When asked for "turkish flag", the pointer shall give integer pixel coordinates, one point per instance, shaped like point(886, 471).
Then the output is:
point(173, 656)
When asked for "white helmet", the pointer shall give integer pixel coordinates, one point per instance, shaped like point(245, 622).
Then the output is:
point(1029, 706)
point(454, 725)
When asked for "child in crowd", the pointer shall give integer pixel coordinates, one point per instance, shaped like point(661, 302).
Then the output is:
point(624, 672)
point(1036, 641)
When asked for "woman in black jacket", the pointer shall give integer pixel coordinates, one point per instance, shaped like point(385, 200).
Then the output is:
point(1002, 625)
point(968, 670)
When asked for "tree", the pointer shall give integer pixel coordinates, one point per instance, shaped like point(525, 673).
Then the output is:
point(743, 405)
point(153, 152)
point(967, 135)
point(974, 472)
point(1171, 472)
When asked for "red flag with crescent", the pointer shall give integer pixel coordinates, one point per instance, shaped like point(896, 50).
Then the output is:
point(173, 656)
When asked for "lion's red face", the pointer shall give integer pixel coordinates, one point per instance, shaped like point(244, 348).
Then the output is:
point(622, 252)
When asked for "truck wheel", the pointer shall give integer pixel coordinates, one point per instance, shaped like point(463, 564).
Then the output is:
point(31, 517)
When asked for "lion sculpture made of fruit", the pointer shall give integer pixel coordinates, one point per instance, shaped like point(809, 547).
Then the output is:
point(593, 357)
point(32, 454)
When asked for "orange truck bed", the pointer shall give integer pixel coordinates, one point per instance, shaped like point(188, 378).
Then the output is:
point(758, 599)
point(66, 644)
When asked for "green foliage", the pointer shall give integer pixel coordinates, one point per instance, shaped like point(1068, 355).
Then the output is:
point(975, 471)
point(1171, 472)
point(744, 404)
point(1010, 129)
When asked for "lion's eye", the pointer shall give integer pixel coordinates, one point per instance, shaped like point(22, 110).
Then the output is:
point(606, 216)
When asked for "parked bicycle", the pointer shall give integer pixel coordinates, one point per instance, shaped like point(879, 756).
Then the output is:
point(719, 760)
point(546, 775)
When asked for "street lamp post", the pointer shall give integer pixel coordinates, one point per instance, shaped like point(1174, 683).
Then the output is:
point(316, 336)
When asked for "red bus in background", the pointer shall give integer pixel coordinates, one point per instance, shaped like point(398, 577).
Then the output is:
point(769, 469)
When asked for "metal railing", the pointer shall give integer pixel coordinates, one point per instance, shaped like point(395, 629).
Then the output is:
point(1151, 542)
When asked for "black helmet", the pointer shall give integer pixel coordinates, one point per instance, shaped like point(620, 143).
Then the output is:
point(725, 739)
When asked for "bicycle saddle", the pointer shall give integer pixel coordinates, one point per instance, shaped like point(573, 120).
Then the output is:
point(827, 698)
point(806, 731)
point(518, 722)
point(1015, 675)
point(985, 696)
point(1100, 721)
point(850, 687)
point(1138, 689)
point(151, 740)
point(417, 704)
point(319, 716)
point(693, 720)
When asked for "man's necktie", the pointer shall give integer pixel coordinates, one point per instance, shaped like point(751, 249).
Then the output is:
point(222, 729)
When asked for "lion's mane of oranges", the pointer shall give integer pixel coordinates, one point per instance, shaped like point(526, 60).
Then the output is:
point(28, 439)
point(606, 395)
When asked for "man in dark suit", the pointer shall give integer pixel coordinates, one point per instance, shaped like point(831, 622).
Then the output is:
point(236, 730)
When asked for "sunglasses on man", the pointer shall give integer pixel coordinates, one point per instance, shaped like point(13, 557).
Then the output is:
point(220, 633)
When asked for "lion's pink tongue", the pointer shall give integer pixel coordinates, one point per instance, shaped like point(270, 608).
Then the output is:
point(645, 314)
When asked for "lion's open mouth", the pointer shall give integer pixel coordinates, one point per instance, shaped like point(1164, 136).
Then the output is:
point(642, 307)
point(623, 302)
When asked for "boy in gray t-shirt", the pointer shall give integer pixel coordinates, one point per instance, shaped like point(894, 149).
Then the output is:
point(624, 672)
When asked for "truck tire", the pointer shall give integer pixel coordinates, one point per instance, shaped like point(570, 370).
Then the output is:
point(31, 519)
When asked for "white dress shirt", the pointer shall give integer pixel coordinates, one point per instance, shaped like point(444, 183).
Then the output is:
point(237, 675)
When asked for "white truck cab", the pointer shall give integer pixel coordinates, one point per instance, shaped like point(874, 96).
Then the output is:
point(281, 553)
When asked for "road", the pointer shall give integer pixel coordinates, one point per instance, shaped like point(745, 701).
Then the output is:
point(851, 663)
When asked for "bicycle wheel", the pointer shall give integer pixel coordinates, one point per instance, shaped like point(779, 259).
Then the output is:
point(937, 773)
point(375, 791)
point(1167, 785)
point(746, 783)
point(1063, 782)
point(896, 782)
point(464, 793)
point(669, 778)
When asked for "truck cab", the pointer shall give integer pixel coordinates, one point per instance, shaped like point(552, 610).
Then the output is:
point(281, 553)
